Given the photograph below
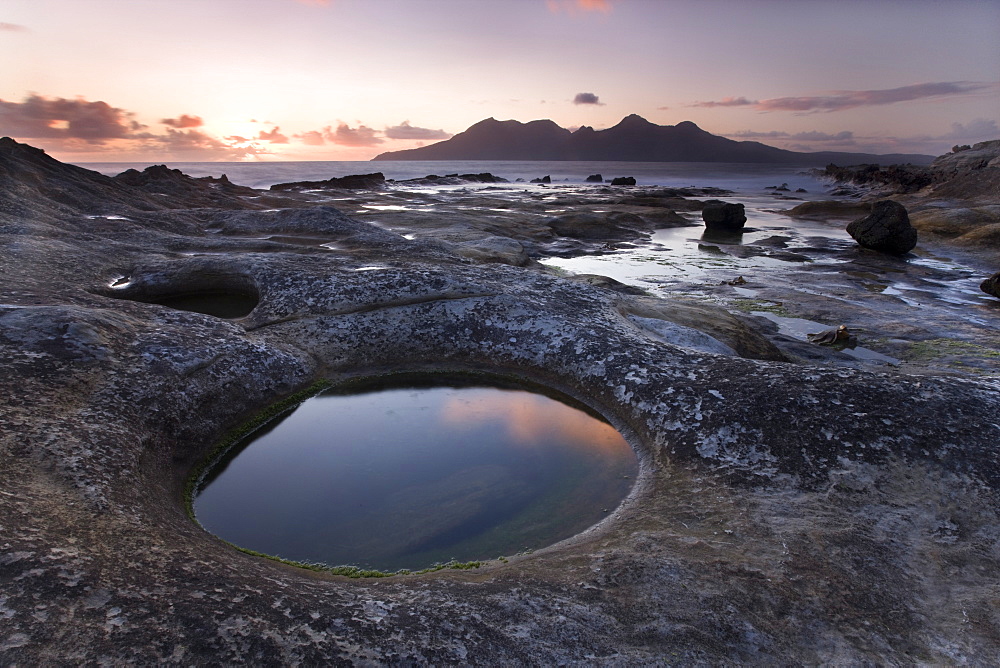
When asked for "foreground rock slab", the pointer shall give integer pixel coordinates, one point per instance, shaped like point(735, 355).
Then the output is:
point(784, 513)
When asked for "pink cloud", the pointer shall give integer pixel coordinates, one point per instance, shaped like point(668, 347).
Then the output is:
point(40, 117)
point(348, 136)
point(183, 121)
point(274, 136)
point(12, 27)
point(198, 144)
point(84, 127)
point(312, 138)
point(345, 135)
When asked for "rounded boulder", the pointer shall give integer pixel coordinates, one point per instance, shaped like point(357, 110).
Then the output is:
point(887, 229)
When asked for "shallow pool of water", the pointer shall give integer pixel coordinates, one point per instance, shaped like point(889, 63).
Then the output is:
point(406, 477)
point(801, 328)
point(226, 305)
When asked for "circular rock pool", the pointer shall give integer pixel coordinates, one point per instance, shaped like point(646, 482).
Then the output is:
point(404, 477)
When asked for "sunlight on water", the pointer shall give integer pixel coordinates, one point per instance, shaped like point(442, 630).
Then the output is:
point(408, 477)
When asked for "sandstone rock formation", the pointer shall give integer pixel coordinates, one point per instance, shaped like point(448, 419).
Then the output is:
point(887, 229)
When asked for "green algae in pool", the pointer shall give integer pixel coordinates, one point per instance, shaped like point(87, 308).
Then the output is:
point(407, 477)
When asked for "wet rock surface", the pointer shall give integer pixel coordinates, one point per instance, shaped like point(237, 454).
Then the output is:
point(785, 512)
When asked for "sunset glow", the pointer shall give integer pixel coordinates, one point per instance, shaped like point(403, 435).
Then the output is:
point(154, 80)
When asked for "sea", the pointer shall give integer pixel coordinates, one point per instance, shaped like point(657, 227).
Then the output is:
point(731, 176)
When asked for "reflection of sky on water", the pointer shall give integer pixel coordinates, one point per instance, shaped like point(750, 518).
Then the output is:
point(528, 422)
point(406, 477)
point(693, 255)
point(689, 260)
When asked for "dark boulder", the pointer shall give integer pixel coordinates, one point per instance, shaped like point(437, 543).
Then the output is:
point(623, 181)
point(887, 229)
point(352, 182)
point(544, 179)
point(723, 216)
point(484, 177)
point(594, 178)
point(991, 285)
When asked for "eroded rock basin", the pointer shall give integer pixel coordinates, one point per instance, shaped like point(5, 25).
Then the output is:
point(787, 512)
point(418, 473)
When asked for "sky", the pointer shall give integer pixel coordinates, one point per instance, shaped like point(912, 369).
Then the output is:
point(227, 80)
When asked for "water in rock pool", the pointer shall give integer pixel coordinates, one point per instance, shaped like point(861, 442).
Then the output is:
point(219, 304)
point(406, 477)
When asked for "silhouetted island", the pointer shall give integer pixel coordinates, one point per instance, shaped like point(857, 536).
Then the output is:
point(633, 139)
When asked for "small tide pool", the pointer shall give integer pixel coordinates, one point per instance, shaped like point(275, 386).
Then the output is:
point(404, 477)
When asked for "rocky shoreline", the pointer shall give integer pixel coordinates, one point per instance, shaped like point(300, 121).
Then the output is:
point(955, 199)
point(789, 510)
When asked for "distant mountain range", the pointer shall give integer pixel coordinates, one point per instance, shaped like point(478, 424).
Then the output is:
point(634, 139)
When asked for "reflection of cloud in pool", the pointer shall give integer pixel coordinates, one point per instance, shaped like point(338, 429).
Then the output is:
point(532, 420)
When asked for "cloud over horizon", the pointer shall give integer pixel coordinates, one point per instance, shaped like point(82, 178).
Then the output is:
point(82, 126)
point(39, 117)
point(587, 98)
point(850, 99)
point(406, 131)
point(971, 132)
point(183, 121)
point(313, 137)
point(344, 135)
point(725, 102)
point(274, 136)
point(362, 135)
point(977, 128)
